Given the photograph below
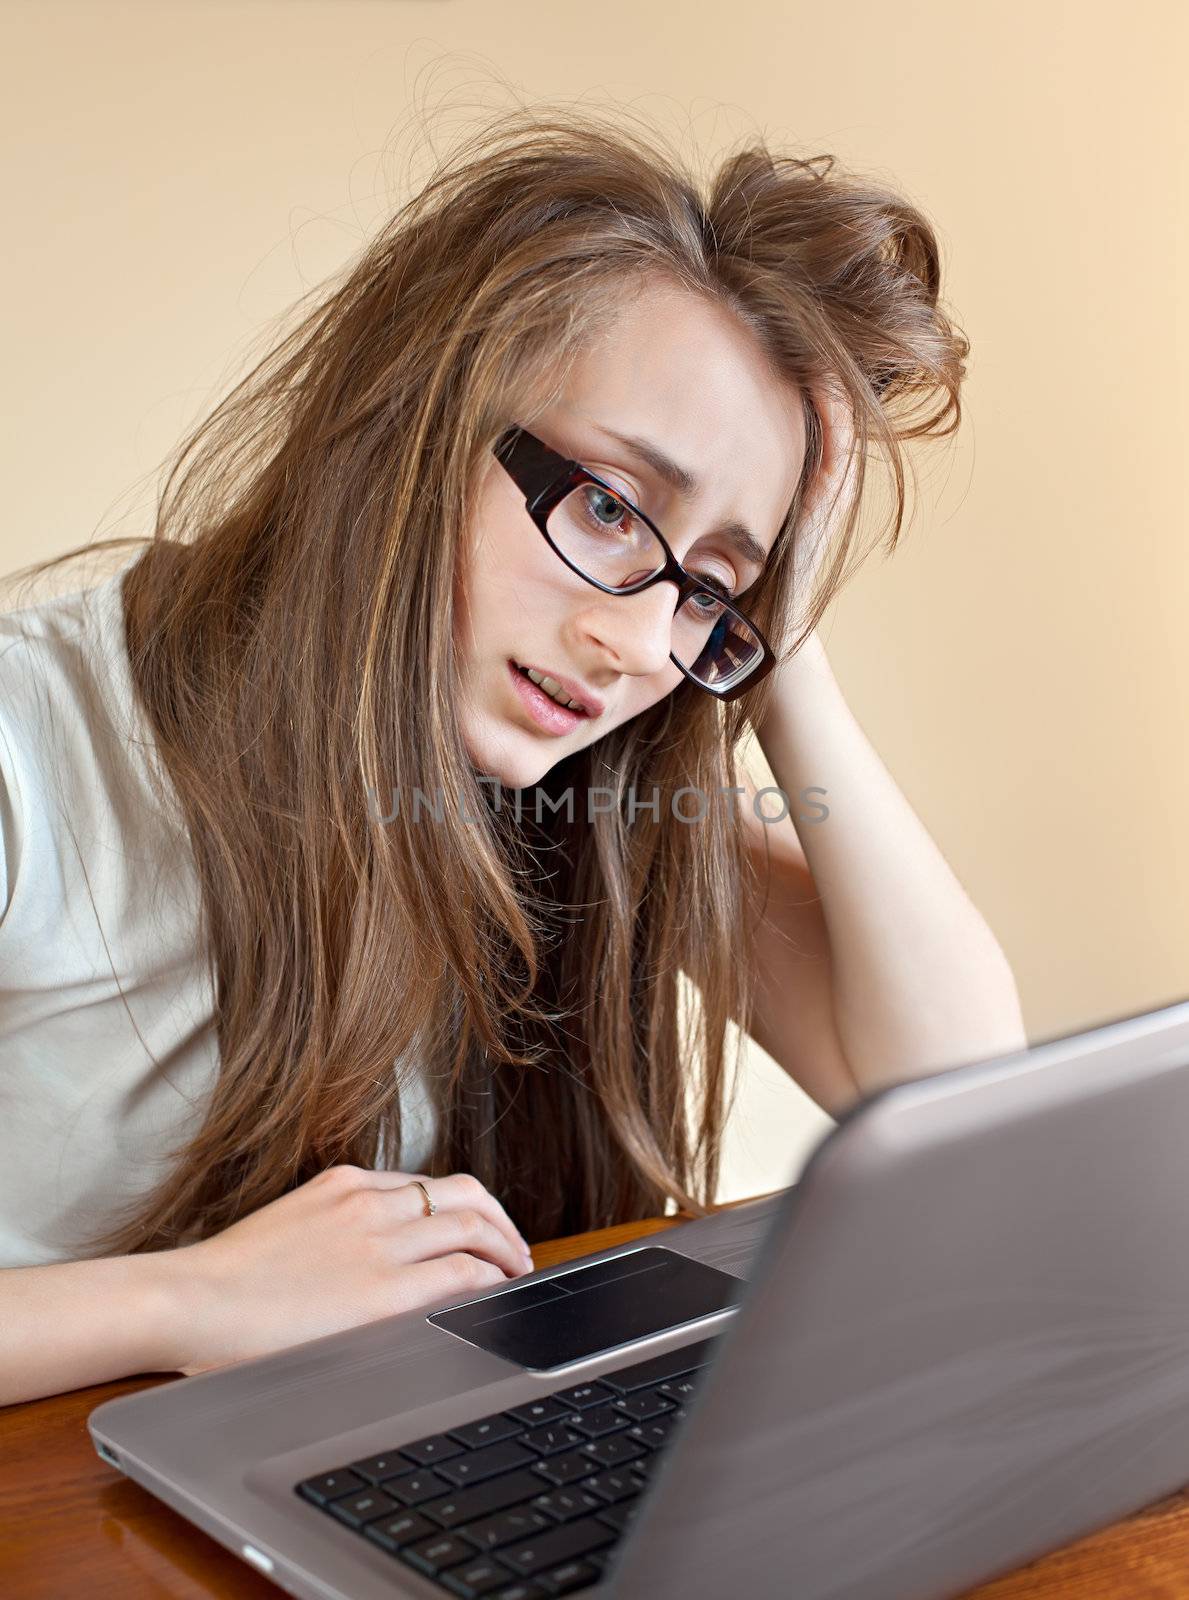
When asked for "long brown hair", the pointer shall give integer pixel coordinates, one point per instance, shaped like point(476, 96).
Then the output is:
point(289, 628)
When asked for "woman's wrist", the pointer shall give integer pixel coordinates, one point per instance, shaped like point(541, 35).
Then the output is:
point(161, 1292)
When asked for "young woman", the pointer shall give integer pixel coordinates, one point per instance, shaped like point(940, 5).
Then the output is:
point(337, 953)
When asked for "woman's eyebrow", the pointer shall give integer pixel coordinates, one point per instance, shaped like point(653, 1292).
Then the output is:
point(686, 484)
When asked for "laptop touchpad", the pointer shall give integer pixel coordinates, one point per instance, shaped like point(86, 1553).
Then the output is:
point(581, 1313)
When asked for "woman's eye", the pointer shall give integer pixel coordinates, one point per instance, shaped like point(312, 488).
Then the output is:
point(607, 511)
point(605, 508)
point(714, 583)
point(706, 607)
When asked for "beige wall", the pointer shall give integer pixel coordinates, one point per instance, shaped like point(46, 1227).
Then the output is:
point(177, 171)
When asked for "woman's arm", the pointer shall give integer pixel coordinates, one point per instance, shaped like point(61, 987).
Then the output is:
point(75, 1323)
point(788, 955)
point(346, 1247)
point(898, 956)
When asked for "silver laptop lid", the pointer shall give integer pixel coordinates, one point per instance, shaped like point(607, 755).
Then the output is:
point(966, 1340)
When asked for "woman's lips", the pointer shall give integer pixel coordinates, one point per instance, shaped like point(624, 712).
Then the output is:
point(580, 697)
point(545, 711)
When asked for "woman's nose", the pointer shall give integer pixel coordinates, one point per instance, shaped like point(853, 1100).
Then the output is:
point(636, 628)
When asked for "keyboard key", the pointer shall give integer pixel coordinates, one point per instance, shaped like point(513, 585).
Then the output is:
point(506, 1527)
point(376, 1468)
point(488, 1430)
point(582, 1395)
point(552, 1440)
point(643, 1405)
point(563, 1505)
point(442, 1550)
point(612, 1451)
point(679, 1389)
point(468, 1505)
point(673, 1364)
point(618, 1516)
point(533, 1412)
point(428, 1452)
point(559, 1544)
point(597, 1421)
point(415, 1487)
point(560, 1470)
point(610, 1486)
point(653, 1434)
point(474, 1465)
point(356, 1509)
point(519, 1591)
point(407, 1526)
point(475, 1578)
point(329, 1486)
point(565, 1579)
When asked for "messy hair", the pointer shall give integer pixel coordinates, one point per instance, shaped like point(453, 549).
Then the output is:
point(289, 626)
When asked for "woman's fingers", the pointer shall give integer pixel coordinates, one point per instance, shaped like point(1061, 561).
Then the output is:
point(456, 1191)
point(824, 499)
point(449, 1232)
point(443, 1278)
point(838, 434)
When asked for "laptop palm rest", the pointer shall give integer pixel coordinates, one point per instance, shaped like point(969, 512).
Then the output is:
point(591, 1309)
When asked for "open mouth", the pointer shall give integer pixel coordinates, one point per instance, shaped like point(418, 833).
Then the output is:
point(573, 710)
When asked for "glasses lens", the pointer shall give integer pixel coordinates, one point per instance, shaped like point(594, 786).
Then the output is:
point(600, 536)
point(715, 644)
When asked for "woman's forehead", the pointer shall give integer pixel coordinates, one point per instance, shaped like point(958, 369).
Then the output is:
point(685, 373)
point(684, 376)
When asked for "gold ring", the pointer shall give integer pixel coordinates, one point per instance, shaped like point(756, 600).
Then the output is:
point(430, 1208)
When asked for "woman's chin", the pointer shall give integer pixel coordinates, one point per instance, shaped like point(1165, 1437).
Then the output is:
point(512, 769)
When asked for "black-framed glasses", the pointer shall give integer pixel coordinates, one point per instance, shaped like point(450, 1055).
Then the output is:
point(604, 538)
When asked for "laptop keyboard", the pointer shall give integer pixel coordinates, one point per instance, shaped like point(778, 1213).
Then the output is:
point(522, 1503)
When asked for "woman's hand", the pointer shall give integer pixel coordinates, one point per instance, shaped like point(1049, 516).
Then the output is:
point(825, 494)
point(350, 1246)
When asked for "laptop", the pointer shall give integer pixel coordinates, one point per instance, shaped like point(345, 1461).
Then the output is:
point(960, 1340)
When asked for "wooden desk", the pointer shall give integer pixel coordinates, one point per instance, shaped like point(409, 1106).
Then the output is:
point(70, 1525)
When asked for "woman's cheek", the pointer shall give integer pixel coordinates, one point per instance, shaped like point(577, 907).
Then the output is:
point(646, 702)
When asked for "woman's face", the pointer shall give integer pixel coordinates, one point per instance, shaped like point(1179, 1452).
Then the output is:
point(685, 376)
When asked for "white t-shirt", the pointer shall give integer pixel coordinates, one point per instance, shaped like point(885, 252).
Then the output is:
point(98, 895)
